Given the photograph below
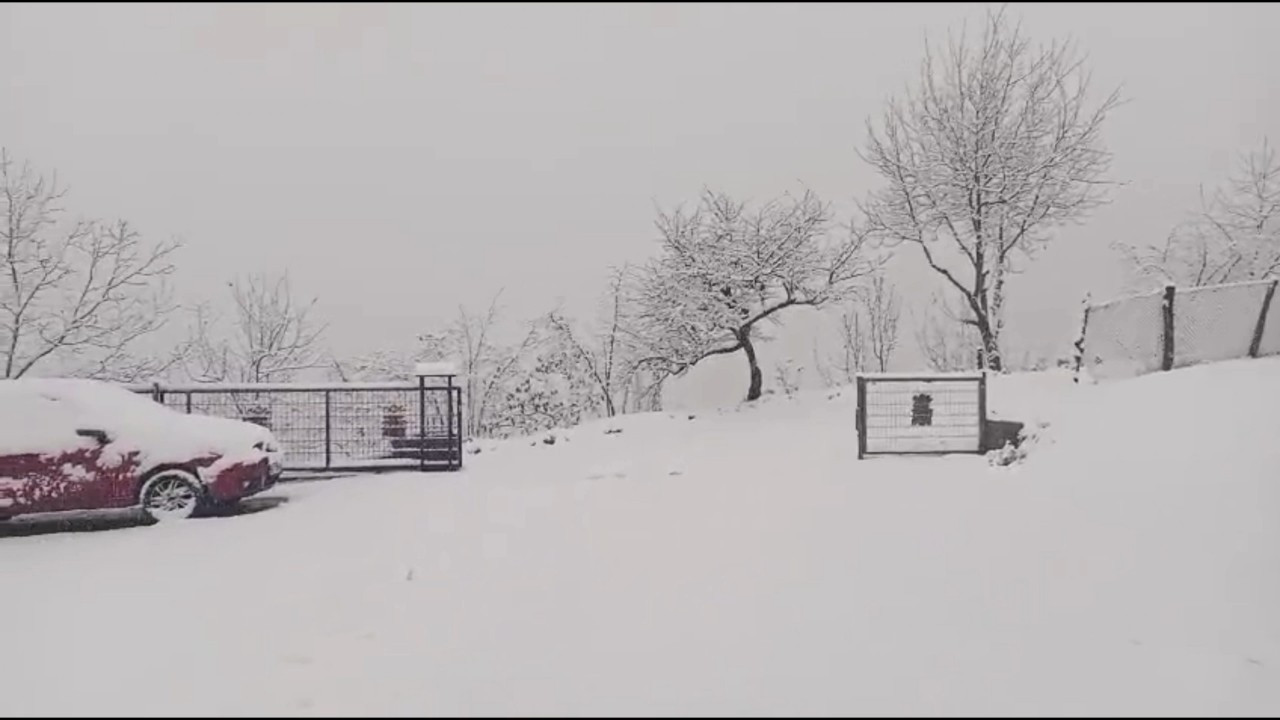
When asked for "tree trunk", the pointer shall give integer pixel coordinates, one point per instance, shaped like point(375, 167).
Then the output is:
point(990, 349)
point(757, 378)
point(995, 319)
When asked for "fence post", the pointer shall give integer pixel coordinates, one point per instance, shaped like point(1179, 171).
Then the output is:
point(422, 422)
point(458, 392)
point(1084, 328)
point(1262, 320)
point(1166, 309)
point(861, 421)
point(328, 430)
point(449, 420)
point(982, 412)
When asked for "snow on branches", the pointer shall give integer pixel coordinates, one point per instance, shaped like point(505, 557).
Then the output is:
point(997, 146)
point(1234, 238)
point(77, 295)
point(724, 269)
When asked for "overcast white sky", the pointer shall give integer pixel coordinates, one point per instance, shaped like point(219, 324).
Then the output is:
point(401, 159)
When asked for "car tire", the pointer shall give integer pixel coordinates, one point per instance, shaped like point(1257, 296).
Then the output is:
point(171, 495)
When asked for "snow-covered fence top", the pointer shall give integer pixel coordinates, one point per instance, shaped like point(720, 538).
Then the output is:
point(215, 387)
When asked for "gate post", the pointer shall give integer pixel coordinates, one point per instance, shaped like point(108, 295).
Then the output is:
point(861, 418)
point(422, 422)
point(455, 460)
point(328, 430)
point(453, 440)
point(1261, 326)
point(1166, 311)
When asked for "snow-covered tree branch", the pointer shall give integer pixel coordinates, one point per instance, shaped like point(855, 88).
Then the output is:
point(1234, 237)
point(998, 146)
point(75, 294)
point(843, 366)
point(488, 368)
point(882, 310)
point(271, 337)
point(948, 337)
point(725, 270)
point(604, 357)
point(867, 328)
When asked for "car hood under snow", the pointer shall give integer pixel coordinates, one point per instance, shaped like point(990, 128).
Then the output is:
point(171, 437)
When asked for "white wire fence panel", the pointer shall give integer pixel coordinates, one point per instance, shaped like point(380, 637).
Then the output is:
point(925, 416)
point(1215, 323)
point(1123, 338)
point(1270, 344)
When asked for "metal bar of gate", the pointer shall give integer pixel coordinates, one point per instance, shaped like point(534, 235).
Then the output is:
point(449, 420)
point(328, 430)
point(422, 423)
point(458, 420)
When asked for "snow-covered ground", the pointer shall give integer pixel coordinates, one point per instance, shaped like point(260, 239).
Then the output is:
point(736, 562)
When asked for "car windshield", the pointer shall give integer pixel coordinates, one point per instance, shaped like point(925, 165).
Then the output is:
point(100, 399)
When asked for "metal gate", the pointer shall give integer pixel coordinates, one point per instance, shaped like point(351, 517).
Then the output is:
point(361, 427)
point(926, 414)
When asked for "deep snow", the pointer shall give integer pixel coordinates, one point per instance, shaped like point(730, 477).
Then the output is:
point(737, 562)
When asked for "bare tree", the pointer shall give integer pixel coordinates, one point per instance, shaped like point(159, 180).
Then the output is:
point(882, 309)
point(1234, 237)
point(868, 331)
point(947, 342)
point(843, 366)
point(487, 366)
point(724, 271)
point(997, 147)
point(271, 336)
point(789, 376)
point(75, 294)
point(603, 356)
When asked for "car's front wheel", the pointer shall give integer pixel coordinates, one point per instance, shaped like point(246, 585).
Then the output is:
point(170, 495)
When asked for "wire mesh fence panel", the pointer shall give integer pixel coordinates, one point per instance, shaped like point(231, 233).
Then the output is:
point(1215, 323)
point(922, 416)
point(1124, 338)
point(383, 425)
point(337, 427)
point(1270, 344)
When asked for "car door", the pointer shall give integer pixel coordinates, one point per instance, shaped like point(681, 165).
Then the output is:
point(45, 464)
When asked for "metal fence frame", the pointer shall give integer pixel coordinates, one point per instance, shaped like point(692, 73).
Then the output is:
point(979, 379)
point(424, 450)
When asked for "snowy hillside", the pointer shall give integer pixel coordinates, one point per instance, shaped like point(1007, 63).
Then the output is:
point(734, 562)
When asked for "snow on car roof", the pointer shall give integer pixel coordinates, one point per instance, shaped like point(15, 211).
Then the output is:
point(42, 415)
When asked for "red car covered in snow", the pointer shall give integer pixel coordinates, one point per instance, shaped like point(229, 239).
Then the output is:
point(87, 445)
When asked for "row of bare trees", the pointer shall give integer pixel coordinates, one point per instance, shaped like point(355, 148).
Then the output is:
point(76, 294)
point(85, 297)
point(995, 148)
